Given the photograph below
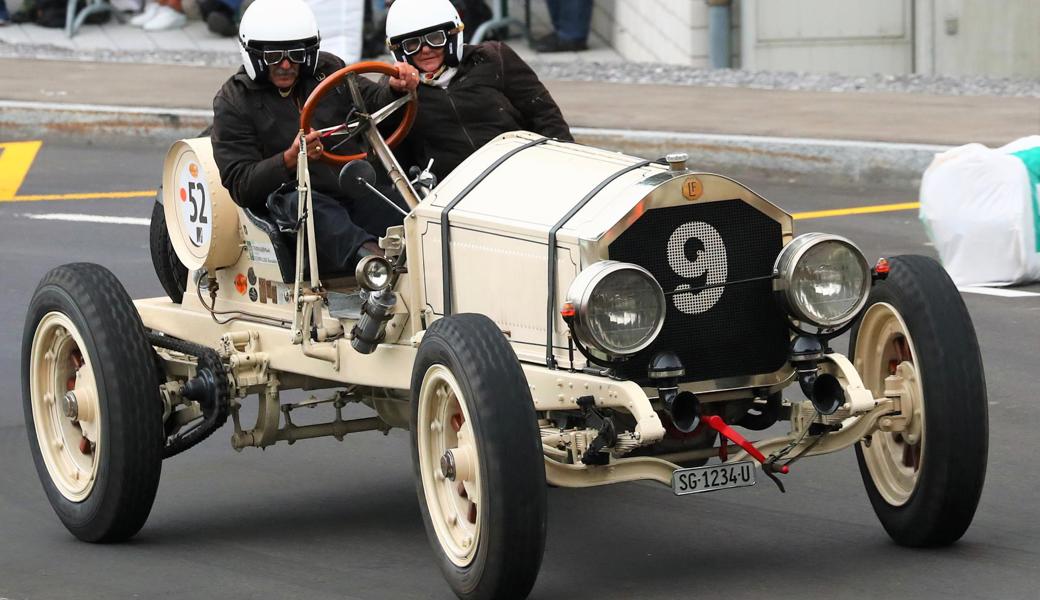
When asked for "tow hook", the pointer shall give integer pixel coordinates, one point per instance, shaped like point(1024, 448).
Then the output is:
point(769, 467)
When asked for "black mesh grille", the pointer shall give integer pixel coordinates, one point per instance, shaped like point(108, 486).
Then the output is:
point(742, 332)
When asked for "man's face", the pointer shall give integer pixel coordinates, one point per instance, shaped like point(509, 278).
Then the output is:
point(429, 59)
point(283, 75)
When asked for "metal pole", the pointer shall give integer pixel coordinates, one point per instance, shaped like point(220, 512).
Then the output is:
point(718, 33)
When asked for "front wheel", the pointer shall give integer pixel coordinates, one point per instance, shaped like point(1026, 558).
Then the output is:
point(925, 480)
point(92, 407)
point(478, 459)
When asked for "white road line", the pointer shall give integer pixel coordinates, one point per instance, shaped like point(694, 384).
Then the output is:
point(80, 218)
point(995, 291)
point(106, 108)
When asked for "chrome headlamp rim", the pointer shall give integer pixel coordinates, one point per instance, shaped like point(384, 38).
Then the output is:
point(365, 274)
point(786, 263)
point(580, 291)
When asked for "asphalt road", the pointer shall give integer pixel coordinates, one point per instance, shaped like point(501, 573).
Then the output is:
point(324, 519)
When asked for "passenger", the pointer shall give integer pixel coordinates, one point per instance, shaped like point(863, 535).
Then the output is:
point(469, 95)
point(256, 118)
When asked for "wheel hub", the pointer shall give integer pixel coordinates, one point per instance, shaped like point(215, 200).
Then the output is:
point(69, 406)
point(886, 359)
point(449, 465)
point(65, 409)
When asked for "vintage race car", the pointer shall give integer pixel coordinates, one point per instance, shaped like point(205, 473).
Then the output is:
point(550, 313)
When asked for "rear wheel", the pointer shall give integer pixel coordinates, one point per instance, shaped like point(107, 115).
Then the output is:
point(478, 459)
point(924, 481)
point(92, 407)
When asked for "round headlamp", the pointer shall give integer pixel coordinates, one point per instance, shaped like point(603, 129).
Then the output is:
point(823, 279)
point(373, 273)
point(619, 307)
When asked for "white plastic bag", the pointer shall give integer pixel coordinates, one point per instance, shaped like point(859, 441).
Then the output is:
point(981, 210)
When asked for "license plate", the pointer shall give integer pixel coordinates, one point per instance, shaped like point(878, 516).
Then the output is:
point(709, 479)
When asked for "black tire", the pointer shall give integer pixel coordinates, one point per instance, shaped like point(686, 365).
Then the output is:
point(951, 464)
point(128, 456)
point(513, 509)
point(172, 274)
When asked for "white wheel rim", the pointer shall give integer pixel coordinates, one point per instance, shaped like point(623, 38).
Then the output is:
point(884, 347)
point(70, 446)
point(444, 424)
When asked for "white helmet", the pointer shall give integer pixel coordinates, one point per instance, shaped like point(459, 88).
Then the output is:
point(411, 18)
point(277, 25)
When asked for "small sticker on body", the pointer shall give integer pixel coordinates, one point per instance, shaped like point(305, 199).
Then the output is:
point(262, 253)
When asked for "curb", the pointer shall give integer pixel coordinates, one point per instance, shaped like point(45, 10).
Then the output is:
point(827, 161)
point(41, 119)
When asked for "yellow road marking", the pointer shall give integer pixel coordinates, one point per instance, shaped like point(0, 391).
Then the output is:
point(858, 210)
point(81, 196)
point(16, 158)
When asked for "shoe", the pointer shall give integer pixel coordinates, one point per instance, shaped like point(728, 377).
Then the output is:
point(554, 43)
point(146, 15)
point(221, 24)
point(369, 249)
point(52, 18)
point(23, 16)
point(166, 18)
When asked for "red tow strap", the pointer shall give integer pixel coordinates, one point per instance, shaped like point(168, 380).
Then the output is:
point(716, 423)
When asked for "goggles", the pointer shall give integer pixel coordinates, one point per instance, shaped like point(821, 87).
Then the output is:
point(433, 39)
point(274, 57)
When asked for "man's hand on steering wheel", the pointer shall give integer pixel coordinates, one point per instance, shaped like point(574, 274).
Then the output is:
point(314, 149)
point(407, 79)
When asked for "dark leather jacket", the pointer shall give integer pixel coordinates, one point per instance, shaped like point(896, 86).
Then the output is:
point(253, 125)
point(494, 91)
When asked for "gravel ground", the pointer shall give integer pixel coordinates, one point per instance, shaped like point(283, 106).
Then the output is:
point(626, 72)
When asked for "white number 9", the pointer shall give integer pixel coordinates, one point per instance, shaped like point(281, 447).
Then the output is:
point(711, 260)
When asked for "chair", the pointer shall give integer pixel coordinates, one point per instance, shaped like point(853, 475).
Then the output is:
point(500, 18)
point(74, 19)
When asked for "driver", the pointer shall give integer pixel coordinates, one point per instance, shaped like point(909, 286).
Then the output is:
point(256, 116)
point(469, 94)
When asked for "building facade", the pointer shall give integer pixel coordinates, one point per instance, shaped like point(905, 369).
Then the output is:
point(940, 37)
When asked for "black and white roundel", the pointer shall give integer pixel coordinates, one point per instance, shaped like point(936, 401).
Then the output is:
point(695, 251)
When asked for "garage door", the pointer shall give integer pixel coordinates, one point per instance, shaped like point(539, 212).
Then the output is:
point(845, 36)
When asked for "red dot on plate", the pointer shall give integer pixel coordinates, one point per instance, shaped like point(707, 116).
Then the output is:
point(184, 195)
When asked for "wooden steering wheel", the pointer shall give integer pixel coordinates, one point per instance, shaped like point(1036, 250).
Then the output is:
point(364, 120)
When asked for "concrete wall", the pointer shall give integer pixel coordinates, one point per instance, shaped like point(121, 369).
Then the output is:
point(945, 37)
point(980, 37)
point(661, 31)
point(665, 31)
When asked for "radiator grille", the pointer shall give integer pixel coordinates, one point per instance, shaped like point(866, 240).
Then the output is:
point(727, 331)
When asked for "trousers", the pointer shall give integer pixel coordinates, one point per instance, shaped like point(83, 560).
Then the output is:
point(341, 225)
point(571, 18)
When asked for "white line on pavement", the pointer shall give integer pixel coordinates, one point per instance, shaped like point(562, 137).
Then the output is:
point(86, 218)
point(994, 291)
point(106, 108)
